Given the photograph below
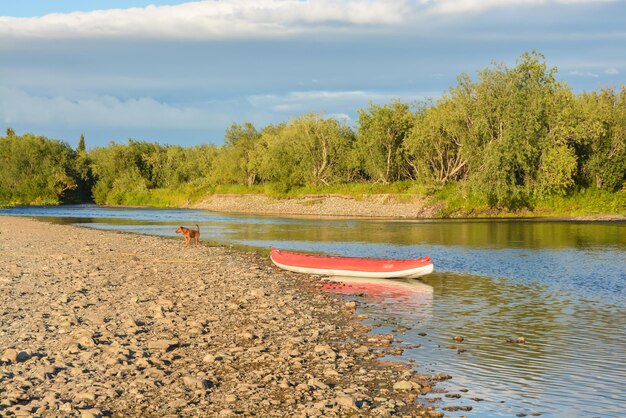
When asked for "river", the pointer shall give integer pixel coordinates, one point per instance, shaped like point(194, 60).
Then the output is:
point(560, 285)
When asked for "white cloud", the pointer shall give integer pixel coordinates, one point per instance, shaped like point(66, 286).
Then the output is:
point(19, 107)
point(587, 74)
point(327, 101)
point(211, 19)
point(464, 6)
point(611, 71)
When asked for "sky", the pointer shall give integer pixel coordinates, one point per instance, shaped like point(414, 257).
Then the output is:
point(178, 72)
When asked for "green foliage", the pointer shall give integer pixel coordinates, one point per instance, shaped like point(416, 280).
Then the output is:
point(236, 162)
point(434, 145)
point(35, 170)
point(307, 150)
point(379, 144)
point(125, 174)
point(601, 139)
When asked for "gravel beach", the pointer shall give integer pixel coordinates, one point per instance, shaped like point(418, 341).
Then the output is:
point(385, 206)
point(375, 206)
point(96, 323)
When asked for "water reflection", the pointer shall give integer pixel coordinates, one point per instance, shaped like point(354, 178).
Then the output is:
point(415, 296)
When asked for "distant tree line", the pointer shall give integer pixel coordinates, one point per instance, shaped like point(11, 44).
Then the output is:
point(512, 136)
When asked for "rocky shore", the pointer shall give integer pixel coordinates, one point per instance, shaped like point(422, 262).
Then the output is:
point(386, 206)
point(96, 323)
point(375, 206)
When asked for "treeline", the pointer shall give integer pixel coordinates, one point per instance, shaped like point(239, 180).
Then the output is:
point(511, 137)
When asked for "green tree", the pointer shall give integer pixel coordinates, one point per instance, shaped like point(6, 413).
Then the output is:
point(308, 150)
point(235, 163)
point(379, 143)
point(434, 145)
point(35, 170)
point(81, 144)
point(513, 117)
point(601, 138)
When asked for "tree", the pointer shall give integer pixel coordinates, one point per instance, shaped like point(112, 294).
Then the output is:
point(601, 138)
point(435, 143)
point(513, 117)
point(235, 163)
point(381, 133)
point(35, 170)
point(81, 144)
point(84, 176)
point(307, 150)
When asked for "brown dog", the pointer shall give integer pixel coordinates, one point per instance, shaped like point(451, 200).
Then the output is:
point(189, 234)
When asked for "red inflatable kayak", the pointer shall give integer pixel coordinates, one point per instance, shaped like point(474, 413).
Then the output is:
point(351, 266)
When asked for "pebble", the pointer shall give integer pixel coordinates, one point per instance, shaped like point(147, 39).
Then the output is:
point(346, 402)
point(195, 383)
point(9, 356)
point(405, 385)
point(162, 344)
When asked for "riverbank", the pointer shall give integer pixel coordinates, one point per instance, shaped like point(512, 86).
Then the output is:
point(370, 206)
point(373, 206)
point(100, 323)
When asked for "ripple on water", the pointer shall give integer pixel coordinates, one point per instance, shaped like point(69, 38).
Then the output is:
point(573, 361)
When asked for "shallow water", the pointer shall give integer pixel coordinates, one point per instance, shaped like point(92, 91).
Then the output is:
point(561, 285)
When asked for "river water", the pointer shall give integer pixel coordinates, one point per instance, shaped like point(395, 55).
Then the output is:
point(560, 285)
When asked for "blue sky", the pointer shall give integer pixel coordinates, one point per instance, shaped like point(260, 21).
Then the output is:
point(181, 72)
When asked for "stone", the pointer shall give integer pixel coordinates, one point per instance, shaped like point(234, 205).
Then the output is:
point(405, 385)
point(194, 382)
point(91, 413)
point(177, 403)
point(164, 345)
point(362, 350)
point(66, 407)
point(9, 356)
point(248, 336)
point(346, 402)
point(350, 306)
point(86, 396)
point(318, 384)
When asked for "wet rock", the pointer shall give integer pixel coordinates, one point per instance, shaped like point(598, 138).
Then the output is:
point(457, 408)
point(405, 385)
point(458, 338)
